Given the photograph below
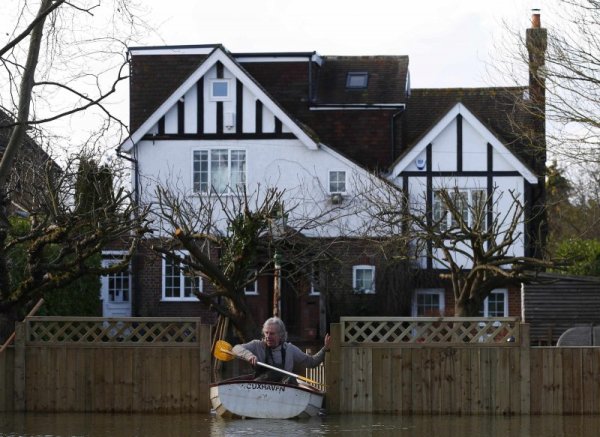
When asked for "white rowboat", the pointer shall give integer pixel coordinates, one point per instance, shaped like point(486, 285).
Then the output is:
point(245, 397)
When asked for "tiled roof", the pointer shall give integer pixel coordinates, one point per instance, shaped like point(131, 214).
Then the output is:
point(364, 136)
point(26, 171)
point(386, 83)
point(153, 79)
point(499, 109)
point(29, 145)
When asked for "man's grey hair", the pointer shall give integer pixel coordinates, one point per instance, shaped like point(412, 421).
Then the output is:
point(280, 325)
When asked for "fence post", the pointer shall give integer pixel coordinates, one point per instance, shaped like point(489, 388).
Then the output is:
point(19, 384)
point(525, 357)
point(205, 351)
point(332, 369)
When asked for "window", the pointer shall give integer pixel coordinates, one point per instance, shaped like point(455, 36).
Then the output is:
point(178, 282)
point(363, 279)
point(252, 287)
point(219, 90)
point(219, 170)
point(357, 79)
point(428, 303)
point(496, 304)
point(469, 204)
point(337, 182)
point(314, 281)
point(118, 284)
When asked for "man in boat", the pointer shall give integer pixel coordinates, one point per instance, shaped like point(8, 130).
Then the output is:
point(275, 350)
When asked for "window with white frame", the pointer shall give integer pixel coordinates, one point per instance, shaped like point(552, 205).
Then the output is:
point(252, 287)
point(178, 282)
point(469, 204)
point(363, 279)
point(496, 304)
point(337, 182)
point(118, 284)
point(220, 90)
point(219, 170)
point(428, 303)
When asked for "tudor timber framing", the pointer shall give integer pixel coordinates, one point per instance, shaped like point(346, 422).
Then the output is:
point(218, 56)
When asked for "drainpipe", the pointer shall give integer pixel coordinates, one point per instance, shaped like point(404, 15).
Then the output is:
point(135, 172)
point(137, 202)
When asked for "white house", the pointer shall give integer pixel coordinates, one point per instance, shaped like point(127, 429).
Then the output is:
point(207, 120)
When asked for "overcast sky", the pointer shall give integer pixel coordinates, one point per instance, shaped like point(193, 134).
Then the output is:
point(450, 43)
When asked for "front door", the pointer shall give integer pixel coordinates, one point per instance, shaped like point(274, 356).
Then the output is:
point(116, 289)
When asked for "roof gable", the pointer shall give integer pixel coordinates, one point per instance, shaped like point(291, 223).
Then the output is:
point(220, 55)
point(438, 129)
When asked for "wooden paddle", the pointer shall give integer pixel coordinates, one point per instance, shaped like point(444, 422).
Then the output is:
point(223, 352)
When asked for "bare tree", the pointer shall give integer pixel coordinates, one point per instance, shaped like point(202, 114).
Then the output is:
point(65, 219)
point(564, 88)
point(46, 76)
point(232, 239)
point(568, 77)
point(471, 242)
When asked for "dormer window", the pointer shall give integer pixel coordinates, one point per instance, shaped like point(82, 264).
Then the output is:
point(357, 79)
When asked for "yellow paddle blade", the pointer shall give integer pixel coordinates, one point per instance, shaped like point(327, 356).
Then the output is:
point(222, 351)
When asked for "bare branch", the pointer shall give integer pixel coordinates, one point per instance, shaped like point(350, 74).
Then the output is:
point(39, 19)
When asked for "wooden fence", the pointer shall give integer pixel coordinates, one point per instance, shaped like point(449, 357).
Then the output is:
point(376, 365)
point(110, 365)
point(7, 361)
point(455, 366)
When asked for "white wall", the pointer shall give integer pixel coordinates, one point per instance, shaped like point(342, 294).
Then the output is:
point(286, 164)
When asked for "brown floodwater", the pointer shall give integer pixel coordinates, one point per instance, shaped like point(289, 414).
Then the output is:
point(67, 425)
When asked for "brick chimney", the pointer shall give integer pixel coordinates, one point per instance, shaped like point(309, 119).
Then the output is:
point(536, 40)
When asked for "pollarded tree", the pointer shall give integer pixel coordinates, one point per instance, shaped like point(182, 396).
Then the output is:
point(60, 228)
point(233, 238)
point(471, 242)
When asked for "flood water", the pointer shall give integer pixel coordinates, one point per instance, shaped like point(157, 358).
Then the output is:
point(66, 425)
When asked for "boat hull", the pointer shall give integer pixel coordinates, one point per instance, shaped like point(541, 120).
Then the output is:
point(264, 400)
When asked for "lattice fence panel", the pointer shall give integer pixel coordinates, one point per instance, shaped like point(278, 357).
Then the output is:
point(97, 331)
point(445, 330)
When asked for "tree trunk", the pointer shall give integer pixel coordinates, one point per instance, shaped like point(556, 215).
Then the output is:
point(244, 326)
point(16, 140)
point(27, 81)
point(5, 286)
point(467, 307)
point(241, 318)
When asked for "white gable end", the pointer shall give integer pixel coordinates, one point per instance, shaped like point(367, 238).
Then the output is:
point(473, 151)
point(444, 150)
point(501, 163)
point(191, 109)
